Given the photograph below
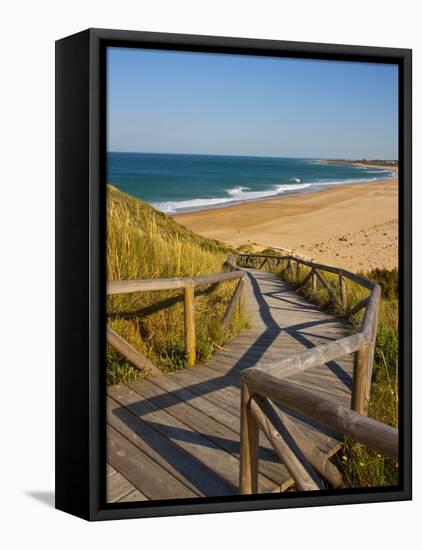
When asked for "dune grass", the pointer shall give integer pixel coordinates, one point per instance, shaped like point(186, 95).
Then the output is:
point(361, 466)
point(143, 243)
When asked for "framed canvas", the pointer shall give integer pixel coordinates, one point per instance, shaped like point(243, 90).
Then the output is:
point(233, 274)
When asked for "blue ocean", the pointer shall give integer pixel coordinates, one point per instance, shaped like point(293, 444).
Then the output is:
point(176, 183)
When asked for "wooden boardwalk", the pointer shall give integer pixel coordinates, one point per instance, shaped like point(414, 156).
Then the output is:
point(177, 435)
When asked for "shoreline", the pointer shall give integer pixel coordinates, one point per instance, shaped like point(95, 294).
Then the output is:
point(309, 187)
point(392, 167)
point(348, 225)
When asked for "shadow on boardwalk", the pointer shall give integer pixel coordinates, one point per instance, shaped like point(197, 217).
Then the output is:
point(187, 422)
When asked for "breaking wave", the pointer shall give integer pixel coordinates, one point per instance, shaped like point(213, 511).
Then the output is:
point(236, 194)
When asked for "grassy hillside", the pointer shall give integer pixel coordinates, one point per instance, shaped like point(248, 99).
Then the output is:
point(143, 243)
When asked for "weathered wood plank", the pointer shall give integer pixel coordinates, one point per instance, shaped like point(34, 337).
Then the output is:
point(196, 443)
point(269, 466)
point(326, 443)
point(223, 464)
point(142, 472)
point(200, 422)
point(188, 423)
point(134, 496)
point(201, 480)
point(225, 393)
point(118, 487)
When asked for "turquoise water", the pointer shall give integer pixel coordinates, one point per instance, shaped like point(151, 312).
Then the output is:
point(180, 183)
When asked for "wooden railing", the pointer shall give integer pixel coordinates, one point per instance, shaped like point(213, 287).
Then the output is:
point(304, 461)
point(266, 382)
point(188, 284)
point(362, 343)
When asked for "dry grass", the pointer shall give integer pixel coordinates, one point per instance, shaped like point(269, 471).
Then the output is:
point(143, 243)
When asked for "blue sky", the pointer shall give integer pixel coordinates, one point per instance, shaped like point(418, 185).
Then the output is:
point(177, 102)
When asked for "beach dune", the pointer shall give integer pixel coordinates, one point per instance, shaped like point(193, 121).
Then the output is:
point(353, 226)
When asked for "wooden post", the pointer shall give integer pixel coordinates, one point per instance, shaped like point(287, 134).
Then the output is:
point(360, 381)
point(190, 325)
point(306, 279)
point(316, 458)
point(297, 270)
point(343, 291)
point(237, 295)
point(314, 280)
point(371, 350)
point(130, 353)
point(290, 267)
point(233, 263)
point(328, 288)
point(363, 303)
point(286, 448)
point(249, 444)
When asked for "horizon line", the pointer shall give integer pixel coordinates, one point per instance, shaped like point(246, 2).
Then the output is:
point(250, 155)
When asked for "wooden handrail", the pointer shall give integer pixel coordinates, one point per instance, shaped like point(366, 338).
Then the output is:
point(323, 267)
point(327, 412)
point(146, 285)
point(313, 357)
point(188, 284)
point(362, 344)
point(268, 381)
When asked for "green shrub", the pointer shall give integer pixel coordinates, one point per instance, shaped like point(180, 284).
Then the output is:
point(388, 279)
point(387, 348)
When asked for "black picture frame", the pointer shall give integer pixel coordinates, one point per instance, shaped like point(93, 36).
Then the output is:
point(80, 271)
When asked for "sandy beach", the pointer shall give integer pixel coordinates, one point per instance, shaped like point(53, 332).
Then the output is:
point(353, 226)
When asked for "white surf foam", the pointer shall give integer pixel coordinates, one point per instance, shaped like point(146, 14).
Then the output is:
point(237, 190)
point(342, 182)
point(241, 193)
point(236, 194)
